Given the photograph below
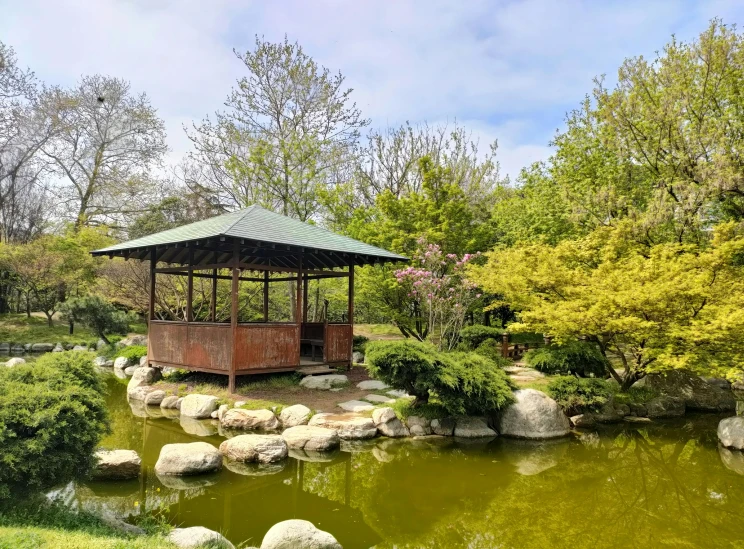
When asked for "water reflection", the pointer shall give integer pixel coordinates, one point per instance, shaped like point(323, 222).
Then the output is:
point(641, 485)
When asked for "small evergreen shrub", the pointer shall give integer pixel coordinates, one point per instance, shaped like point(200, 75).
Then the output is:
point(52, 415)
point(408, 365)
point(359, 343)
point(491, 349)
point(97, 314)
point(579, 358)
point(132, 352)
point(472, 384)
point(463, 383)
point(576, 395)
point(473, 336)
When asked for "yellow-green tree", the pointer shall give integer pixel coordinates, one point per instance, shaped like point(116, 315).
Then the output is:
point(668, 306)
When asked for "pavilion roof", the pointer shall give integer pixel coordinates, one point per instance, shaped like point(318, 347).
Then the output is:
point(264, 237)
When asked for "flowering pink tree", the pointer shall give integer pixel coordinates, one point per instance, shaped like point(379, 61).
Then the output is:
point(439, 294)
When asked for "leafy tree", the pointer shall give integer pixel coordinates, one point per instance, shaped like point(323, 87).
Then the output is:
point(669, 306)
point(169, 213)
point(98, 314)
point(52, 416)
point(108, 140)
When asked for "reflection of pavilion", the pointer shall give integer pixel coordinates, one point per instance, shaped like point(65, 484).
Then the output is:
point(244, 501)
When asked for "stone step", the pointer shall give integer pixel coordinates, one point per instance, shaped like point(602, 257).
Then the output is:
point(316, 370)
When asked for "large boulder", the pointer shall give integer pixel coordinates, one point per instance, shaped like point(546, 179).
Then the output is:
point(443, 426)
point(349, 426)
point(665, 406)
point(418, 426)
point(143, 376)
point(15, 361)
point(473, 427)
point(324, 382)
point(733, 460)
point(169, 402)
point(292, 416)
point(311, 438)
point(248, 420)
point(258, 448)
point(117, 465)
point(155, 398)
point(133, 340)
point(697, 394)
point(731, 432)
point(197, 537)
point(121, 362)
point(388, 423)
point(356, 406)
point(298, 534)
point(39, 347)
point(192, 458)
point(100, 361)
point(140, 393)
point(198, 406)
point(533, 415)
point(717, 382)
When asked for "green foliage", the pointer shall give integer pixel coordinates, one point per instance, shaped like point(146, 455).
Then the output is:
point(473, 336)
point(579, 358)
point(404, 407)
point(360, 342)
point(491, 349)
point(52, 415)
point(472, 384)
point(98, 314)
point(576, 395)
point(462, 382)
point(18, 328)
point(132, 352)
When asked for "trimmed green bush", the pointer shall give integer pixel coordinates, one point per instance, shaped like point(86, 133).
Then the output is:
point(576, 395)
point(464, 383)
point(359, 343)
point(132, 352)
point(472, 384)
point(579, 358)
point(408, 365)
point(473, 336)
point(491, 349)
point(52, 415)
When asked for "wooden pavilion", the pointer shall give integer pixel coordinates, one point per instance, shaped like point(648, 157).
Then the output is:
point(250, 244)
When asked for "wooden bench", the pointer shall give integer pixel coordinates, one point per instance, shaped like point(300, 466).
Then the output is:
point(314, 344)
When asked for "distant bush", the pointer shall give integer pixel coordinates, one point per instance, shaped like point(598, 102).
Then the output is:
point(576, 395)
point(579, 358)
point(359, 343)
point(132, 352)
point(464, 383)
point(472, 384)
point(97, 314)
point(475, 335)
point(52, 415)
point(491, 348)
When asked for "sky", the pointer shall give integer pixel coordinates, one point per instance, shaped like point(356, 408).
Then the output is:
point(508, 70)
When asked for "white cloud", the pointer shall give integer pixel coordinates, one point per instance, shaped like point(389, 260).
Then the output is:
point(510, 69)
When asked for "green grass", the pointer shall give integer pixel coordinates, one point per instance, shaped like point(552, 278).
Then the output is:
point(404, 408)
point(259, 404)
point(18, 328)
point(634, 395)
point(37, 524)
point(377, 331)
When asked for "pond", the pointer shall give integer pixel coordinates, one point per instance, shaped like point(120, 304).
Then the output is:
point(666, 484)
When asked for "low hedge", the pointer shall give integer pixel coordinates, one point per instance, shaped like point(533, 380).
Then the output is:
point(579, 358)
point(577, 395)
point(475, 335)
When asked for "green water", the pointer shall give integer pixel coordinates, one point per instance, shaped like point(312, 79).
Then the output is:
point(661, 485)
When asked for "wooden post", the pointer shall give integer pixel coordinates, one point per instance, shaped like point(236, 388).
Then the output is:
point(190, 288)
point(234, 315)
point(266, 296)
point(505, 345)
point(304, 299)
point(298, 309)
point(151, 304)
point(351, 310)
point(213, 302)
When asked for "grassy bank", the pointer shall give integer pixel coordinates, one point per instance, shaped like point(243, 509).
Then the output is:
point(46, 538)
point(19, 328)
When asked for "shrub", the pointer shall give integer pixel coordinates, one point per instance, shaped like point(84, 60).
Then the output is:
point(491, 349)
point(97, 314)
point(579, 358)
point(472, 384)
point(408, 365)
point(473, 336)
point(359, 343)
point(576, 395)
point(52, 415)
point(132, 352)
point(464, 383)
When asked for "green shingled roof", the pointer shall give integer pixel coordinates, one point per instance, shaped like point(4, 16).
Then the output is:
point(257, 224)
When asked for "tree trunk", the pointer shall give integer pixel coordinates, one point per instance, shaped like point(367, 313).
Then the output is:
point(49, 319)
point(72, 327)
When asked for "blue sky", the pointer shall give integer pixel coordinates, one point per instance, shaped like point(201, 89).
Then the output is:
point(508, 70)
